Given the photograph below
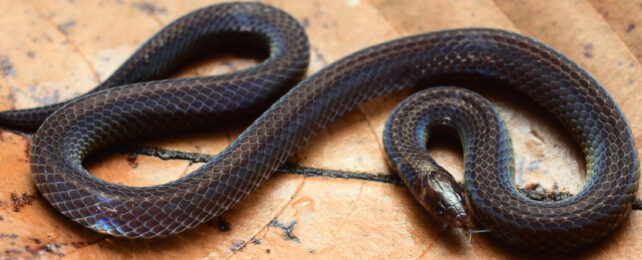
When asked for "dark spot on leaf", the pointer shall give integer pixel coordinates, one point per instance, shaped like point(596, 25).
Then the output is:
point(77, 245)
point(149, 8)
point(12, 252)
point(588, 48)
point(64, 27)
point(238, 246)
point(9, 236)
point(48, 248)
point(319, 57)
point(305, 22)
point(81, 244)
point(287, 229)
point(630, 28)
point(7, 66)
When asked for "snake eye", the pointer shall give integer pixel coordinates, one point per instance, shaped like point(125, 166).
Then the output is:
point(440, 208)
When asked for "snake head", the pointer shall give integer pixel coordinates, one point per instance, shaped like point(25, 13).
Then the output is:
point(438, 192)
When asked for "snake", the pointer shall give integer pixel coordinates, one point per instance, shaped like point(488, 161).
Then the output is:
point(138, 101)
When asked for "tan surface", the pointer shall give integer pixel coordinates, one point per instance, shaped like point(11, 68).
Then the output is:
point(53, 50)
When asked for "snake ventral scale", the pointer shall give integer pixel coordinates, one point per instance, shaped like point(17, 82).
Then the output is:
point(136, 101)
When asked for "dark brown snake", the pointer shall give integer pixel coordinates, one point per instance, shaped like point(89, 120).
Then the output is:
point(133, 102)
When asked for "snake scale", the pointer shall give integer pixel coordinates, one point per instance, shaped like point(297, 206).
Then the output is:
point(136, 101)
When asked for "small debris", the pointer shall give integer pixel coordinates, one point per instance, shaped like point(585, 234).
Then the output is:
point(20, 201)
point(537, 192)
point(51, 247)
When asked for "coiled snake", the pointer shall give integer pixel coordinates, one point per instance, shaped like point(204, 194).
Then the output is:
point(134, 102)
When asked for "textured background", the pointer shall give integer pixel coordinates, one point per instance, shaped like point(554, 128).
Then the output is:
point(53, 50)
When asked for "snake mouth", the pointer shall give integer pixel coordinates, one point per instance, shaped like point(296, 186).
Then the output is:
point(461, 221)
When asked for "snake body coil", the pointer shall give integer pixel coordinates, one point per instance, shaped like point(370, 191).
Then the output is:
point(113, 114)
